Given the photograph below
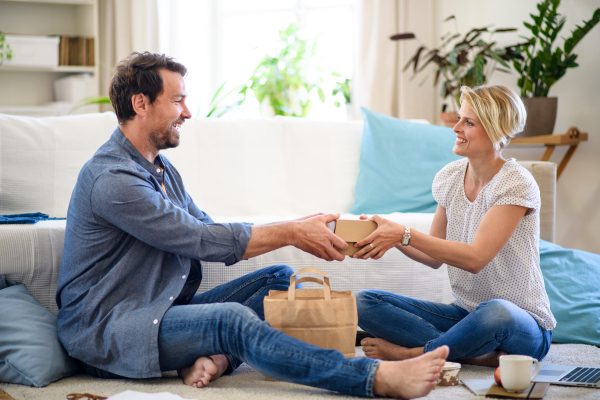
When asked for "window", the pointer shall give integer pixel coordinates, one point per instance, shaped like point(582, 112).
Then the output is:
point(223, 40)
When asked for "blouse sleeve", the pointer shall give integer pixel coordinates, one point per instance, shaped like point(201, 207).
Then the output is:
point(443, 182)
point(518, 187)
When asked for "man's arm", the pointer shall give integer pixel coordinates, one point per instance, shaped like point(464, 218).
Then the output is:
point(309, 234)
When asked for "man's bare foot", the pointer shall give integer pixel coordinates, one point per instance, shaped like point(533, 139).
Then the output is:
point(410, 378)
point(384, 350)
point(204, 370)
point(491, 359)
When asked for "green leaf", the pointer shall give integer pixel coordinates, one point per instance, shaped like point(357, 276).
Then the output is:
point(321, 95)
point(479, 63)
point(90, 100)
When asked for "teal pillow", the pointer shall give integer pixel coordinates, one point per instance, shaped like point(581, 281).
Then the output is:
point(30, 352)
point(398, 161)
point(572, 279)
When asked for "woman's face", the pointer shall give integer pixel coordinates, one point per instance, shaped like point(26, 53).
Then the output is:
point(471, 138)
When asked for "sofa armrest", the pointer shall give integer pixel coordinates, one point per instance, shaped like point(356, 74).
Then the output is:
point(31, 254)
point(544, 174)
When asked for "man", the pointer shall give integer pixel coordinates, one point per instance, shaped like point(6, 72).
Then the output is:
point(131, 265)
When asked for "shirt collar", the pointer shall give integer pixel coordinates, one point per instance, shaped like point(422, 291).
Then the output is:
point(128, 147)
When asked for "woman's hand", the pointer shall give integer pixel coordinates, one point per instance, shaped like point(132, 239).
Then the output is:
point(387, 235)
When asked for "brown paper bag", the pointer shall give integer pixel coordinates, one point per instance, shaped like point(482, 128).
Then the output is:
point(321, 317)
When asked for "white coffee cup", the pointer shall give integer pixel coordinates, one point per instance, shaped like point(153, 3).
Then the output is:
point(515, 372)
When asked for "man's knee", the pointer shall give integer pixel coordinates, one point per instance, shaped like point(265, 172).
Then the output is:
point(236, 312)
point(280, 270)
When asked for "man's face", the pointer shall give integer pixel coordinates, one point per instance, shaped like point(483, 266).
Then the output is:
point(168, 111)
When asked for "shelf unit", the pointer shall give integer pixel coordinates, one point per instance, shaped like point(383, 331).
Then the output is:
point(28, 87)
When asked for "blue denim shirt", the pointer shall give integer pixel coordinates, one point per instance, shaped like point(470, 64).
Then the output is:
point(132, 251)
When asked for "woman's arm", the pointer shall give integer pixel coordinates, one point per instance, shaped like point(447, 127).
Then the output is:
point(494, 231)
point(390, 230)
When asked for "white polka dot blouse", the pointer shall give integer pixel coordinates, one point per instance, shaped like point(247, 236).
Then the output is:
point(514, 274)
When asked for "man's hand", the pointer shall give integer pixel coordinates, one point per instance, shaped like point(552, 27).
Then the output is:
point(309, 234)
point(312, 236)
point(387, 235)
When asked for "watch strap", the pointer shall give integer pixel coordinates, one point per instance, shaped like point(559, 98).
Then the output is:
point(406, 237)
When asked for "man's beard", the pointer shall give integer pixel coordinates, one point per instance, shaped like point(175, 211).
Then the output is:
point(165, 140)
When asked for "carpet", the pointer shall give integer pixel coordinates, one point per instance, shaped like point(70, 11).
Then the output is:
point(247, 383)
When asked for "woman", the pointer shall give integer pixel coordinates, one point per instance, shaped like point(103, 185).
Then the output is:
point(486, 229)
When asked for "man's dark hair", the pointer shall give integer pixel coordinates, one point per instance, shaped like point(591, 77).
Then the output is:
point(139, 73)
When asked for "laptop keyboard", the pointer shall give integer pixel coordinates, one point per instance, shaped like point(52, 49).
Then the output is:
point(583, 375)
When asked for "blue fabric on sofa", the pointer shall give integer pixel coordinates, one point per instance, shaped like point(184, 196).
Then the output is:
point(572, 279)
point(398, 161)
point(30, 352)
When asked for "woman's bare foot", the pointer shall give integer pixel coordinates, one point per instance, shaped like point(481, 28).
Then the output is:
point(491, 359)
point(384, 350)
point(204, 370)
point(410, 378)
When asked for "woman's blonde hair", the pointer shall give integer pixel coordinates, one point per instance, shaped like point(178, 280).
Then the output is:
point(500, 110)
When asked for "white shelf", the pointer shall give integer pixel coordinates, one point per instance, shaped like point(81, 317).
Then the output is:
point(76, 2)
point(61, 68)
point(26, 86)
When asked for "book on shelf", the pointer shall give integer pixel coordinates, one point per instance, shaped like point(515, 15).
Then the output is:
point(76, 51)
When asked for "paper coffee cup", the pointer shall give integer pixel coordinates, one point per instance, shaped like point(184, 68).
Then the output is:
point(449, 374)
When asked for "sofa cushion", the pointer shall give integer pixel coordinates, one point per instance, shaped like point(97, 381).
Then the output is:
point(394, 272)
point(572, 279)
point(276, 166)
point(398, 162)
point(30, 352)
point(40, 159)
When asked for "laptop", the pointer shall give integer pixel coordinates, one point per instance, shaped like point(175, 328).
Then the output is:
point(569, 376)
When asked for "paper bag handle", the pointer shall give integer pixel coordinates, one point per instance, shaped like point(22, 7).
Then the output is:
point(324, 282)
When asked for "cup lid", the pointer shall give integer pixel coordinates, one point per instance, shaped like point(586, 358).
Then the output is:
point(450, 365)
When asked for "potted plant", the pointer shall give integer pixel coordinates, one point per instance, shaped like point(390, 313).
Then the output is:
point(342, 87)
point(542, 66)
point(5, 50)
point(284, 80)
point(466, 60)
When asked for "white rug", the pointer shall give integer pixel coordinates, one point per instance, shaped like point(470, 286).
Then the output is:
point(246, 383)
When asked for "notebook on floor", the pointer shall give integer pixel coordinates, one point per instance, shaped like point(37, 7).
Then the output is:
point(569, 376)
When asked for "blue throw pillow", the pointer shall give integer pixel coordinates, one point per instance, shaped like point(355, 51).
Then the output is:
point(572, 279)
point(398, 161)
point(30, 352)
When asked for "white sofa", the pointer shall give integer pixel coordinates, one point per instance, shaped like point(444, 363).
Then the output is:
point(255, 171)
point(243, 170)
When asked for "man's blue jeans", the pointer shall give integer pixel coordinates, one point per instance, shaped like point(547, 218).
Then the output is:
point(229, 319)
point(493, 325)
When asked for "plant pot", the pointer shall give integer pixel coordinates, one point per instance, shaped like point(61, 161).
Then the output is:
point(541, 116)
point(349, 114)
point(449, 119)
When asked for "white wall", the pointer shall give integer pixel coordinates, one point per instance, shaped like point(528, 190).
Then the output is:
point(578, 92)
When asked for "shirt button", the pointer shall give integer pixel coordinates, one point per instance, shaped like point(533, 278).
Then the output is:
point(158, 170)
point(155, 321)
point(183, 277)
point(171, 298)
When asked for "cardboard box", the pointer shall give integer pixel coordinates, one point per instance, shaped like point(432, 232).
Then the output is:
point(33, 51)
point(352, 231)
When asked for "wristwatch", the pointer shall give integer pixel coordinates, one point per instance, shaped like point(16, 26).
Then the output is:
point(406, 238)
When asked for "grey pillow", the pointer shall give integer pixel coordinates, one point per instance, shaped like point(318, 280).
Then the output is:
point(30, 352)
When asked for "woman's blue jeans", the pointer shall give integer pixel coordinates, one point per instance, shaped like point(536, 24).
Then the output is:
point(229, 319)
point(493, 325)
